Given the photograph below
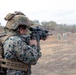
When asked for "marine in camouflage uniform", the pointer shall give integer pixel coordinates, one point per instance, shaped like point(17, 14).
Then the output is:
point(15, 47)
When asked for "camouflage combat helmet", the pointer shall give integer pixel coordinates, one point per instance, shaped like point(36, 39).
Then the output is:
point(15, 20)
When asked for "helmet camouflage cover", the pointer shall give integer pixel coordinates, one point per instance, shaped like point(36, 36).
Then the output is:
point(16, 20)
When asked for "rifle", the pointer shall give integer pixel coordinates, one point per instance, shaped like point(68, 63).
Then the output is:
point(38, 34)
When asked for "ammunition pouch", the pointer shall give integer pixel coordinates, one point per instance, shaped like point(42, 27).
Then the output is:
point(4, 63)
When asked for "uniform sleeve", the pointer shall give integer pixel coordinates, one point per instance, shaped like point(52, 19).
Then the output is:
point(16, 49)
point(26, 53)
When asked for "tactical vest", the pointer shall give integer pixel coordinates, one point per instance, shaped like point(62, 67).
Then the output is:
point(4, 63)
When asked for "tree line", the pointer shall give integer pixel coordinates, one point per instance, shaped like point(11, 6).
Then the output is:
point(52, 26)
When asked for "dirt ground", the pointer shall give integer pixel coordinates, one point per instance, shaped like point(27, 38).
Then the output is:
point(58, 58)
